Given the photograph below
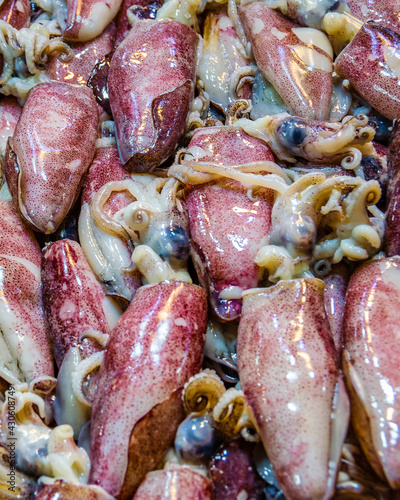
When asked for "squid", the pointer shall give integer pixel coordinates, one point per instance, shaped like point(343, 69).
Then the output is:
point(108, 255)
point(223, 68)
point(156, 346)
point(39, 449)
point(74, 300)
point(25, 344)
point(174, 484)
point(84, 21)
point(152, 221)
point(228, 220)
point(298, 61)
point(289, 372)
point(150, 93)
point(45, 186)
point(369, 363)
point(376, 77)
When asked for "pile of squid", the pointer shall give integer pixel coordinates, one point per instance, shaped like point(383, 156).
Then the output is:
point(199, 249)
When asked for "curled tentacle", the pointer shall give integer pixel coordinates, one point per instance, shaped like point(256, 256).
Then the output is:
point(202, 392)
point(84, 368)
point(230, 416)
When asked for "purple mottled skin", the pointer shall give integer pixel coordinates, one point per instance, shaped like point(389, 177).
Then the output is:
point(369, 62)
point(156, 346)
point(234, 473)
point(25, 330)
point(370, 359)
point(288, 368)
point(150, 84)
point(50, 151)
point(64, 490)
point(73, 297)
point(174, 484)
point(307, 91)
point(227, 228)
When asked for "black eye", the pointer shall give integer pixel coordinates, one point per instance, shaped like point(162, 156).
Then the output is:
point(291, 133)
point(174, 242)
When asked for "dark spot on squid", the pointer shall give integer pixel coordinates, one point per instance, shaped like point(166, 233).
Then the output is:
point(291, 133)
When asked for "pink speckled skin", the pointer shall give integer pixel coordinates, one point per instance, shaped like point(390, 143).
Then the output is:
point(370, 359)
point(174, 484)
point(306, 91)
point(156, 346)
point(20, 292)
point(106, 167)
point(335, 300)
point(86, 19)
point(150, 84)
point(392, 233)
point(50, 151)
point(10, 111)
point(288, 368)
point(72, 296)
point(384, 12)
point(364, 63)
point(86, 56)
point(227, 228)
point(16, 12)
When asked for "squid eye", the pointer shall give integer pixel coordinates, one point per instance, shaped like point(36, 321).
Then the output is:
point(174, 242)
point(196, 439)
point(291, 133)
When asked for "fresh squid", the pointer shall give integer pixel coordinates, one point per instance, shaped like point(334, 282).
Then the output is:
point(289, 373)
point(369, 363)
point(298, 62)
point(109, 255)
point(223, 214)
point(45, 186)
point(150, 93)
point(25, 343)
point(223, 66)
point(154, 349)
